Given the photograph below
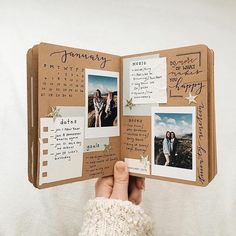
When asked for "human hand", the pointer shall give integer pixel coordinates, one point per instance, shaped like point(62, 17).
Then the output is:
point(120, 186)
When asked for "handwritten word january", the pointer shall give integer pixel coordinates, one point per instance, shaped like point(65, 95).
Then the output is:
point(64, 54)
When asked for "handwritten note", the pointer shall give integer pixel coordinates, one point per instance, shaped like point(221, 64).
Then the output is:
point(61, 148)
point(136, 137)
point(148, 80)
point(99, 164)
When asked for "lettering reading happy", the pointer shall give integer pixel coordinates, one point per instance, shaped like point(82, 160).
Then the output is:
point(188, 87)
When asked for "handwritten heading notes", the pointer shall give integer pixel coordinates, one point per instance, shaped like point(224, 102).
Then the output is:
point(61, 148)
point(148, 80)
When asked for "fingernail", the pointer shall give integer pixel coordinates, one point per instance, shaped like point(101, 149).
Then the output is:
point(120, 168)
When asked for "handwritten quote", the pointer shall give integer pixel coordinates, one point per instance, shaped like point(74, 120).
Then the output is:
point(183, 75)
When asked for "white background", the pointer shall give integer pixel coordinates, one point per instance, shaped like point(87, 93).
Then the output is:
point(117, 27)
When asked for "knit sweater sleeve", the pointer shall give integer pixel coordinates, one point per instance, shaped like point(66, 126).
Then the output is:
point(110, 217)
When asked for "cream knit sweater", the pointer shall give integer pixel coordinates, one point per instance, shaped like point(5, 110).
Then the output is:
point(110, 217)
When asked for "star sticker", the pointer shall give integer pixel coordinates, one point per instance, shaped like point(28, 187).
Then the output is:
point(144, 160)
point(107, 147)
point(191, 98)
point(129, 103)
point(54, 113)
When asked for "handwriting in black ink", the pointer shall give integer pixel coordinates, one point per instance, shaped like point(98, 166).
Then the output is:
point(188, 87)
point(188, 60)
point(200, 120)
point(93, 57)
point(186, 73)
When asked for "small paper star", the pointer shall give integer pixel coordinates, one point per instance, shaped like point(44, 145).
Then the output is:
point(129, 104)
point(107, 147)
point(54, 113)
point(191, 98)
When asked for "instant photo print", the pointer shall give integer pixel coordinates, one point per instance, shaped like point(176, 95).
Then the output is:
point(174, 142)
point(87, 110)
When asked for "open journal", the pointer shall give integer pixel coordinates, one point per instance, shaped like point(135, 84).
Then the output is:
point(88, 109)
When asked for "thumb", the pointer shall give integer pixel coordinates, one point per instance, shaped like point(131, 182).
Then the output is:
point(121, 181)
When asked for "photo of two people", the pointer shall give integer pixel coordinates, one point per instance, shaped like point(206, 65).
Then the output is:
point(102, 101)
point(173, 140)
point(169, 146)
